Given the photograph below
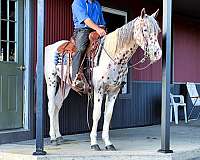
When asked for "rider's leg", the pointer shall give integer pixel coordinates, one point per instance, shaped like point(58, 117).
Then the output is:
point(82, 40)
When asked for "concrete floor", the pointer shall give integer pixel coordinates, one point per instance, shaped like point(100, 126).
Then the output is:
point(139, 143)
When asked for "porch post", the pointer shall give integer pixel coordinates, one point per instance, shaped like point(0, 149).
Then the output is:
point(39, 79)
point(166, 76)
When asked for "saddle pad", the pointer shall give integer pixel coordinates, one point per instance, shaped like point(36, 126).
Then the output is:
point(58, 59)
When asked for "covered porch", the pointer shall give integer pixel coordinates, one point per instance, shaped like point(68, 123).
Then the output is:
point(132, 143)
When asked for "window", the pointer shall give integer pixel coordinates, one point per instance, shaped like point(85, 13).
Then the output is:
point(8, 30)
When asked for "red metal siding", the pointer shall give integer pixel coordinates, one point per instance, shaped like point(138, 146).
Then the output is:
point(186, 50)
point(58, 20)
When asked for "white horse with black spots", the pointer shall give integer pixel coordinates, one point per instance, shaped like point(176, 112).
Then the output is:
point(108, 74)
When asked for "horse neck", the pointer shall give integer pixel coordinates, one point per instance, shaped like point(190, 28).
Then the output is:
point(124, 54)
point(126, 41)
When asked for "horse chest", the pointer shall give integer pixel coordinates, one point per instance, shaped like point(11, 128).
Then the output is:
point(115, 74)
point(119, 74)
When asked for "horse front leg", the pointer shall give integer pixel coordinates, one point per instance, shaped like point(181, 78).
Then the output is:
point(109, 105)
point(59, 101)
point(98, 97)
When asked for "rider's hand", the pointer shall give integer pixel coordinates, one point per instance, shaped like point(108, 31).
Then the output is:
point(101, 32)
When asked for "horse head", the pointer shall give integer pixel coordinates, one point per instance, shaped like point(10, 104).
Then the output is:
point(146, 32)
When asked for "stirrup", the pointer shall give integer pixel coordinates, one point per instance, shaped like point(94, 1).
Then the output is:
point(77, 84)
point(80, 85)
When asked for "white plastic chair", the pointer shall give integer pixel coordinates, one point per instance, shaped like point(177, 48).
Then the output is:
point(194, 95)
point(174, 105)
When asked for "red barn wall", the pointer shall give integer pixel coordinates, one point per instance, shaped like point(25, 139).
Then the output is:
point(58, 21)
point(186, 49)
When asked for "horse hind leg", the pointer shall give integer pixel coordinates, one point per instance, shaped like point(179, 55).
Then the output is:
point(59, 101)
point(109, 105)
point(51, 81)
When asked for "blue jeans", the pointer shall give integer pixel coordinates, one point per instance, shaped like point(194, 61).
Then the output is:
point(82, 39)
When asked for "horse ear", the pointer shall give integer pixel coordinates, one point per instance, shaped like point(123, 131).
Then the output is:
point(155, 14)
point(143, 12)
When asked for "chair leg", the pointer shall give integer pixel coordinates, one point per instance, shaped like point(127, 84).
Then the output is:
point(185, 113)
point(176, 113)
point(171, 107)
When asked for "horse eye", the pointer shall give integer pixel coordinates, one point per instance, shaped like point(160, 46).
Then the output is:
point(145, 30)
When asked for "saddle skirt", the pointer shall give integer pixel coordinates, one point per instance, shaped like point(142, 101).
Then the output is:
point(67, 47)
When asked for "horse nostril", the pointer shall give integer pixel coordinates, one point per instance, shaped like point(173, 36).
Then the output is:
point(156, 53)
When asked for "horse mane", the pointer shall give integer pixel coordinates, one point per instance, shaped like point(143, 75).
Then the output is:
point(154, 23)
point(126, 32)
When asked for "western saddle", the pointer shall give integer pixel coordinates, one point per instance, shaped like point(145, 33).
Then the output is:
point(80, 84)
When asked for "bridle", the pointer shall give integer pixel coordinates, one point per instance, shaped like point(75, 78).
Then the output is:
point(141, 61)
point(146, 56)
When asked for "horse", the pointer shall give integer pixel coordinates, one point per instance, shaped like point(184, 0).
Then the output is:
point(110, 68)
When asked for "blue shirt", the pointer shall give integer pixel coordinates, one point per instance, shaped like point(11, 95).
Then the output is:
point(83, 9)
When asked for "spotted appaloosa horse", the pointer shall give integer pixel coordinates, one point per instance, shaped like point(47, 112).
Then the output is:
point(108, 74)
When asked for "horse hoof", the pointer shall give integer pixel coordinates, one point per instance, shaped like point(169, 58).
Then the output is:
point(54, 142)
point(110, 148)
point(96, 147)
point(60, 140)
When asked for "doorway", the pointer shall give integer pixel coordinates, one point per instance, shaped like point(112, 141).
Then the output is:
point(11, 64)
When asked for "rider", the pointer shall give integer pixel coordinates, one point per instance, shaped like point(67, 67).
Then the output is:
point(87, 16)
